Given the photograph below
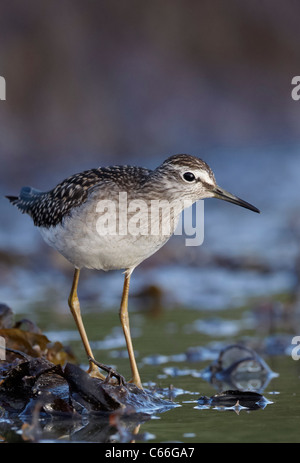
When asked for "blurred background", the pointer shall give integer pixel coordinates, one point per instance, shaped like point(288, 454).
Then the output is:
point(96, 83)
point(99, 83)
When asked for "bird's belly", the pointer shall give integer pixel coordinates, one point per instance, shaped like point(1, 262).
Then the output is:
point(84, 248)
point(83, 239)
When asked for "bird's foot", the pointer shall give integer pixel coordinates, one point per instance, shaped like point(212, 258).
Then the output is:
point(94, 372)
point(136, 382)
point(110, 372)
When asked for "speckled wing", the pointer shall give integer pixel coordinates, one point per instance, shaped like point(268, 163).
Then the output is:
point(49, 208)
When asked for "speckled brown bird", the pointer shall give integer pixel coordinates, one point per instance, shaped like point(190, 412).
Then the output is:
point(68, 219)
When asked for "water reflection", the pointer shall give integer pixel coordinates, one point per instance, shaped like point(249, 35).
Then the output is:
point(239, 368)
point(234, 400)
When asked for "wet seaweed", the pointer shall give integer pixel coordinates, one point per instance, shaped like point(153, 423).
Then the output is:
point(35, 389)
point(234, 400)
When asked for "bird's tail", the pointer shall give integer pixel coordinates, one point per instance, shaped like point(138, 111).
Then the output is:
point(26, 200)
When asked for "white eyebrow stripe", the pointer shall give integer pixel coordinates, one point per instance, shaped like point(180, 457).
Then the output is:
point(204, 177)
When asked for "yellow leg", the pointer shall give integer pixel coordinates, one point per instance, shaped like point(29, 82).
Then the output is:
point(75, 310)
point(125, 325)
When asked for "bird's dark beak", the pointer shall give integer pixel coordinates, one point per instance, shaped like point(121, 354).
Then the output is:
point(223, 194)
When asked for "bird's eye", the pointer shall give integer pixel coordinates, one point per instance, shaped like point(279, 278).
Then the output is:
point(189, 176)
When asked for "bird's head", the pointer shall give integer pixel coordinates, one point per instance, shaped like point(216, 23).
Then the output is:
point(187, 177)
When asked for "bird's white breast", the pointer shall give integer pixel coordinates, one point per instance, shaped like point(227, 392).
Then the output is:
point(79, 239)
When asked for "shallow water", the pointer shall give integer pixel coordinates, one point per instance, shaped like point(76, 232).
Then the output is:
point(173, 349)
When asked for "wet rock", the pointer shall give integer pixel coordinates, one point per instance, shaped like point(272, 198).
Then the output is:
point(235, 400)
point(238, 367)
point(19, 382)
point(95, 395)
point(27, 379)
point(33, 388)
point(34, 391)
